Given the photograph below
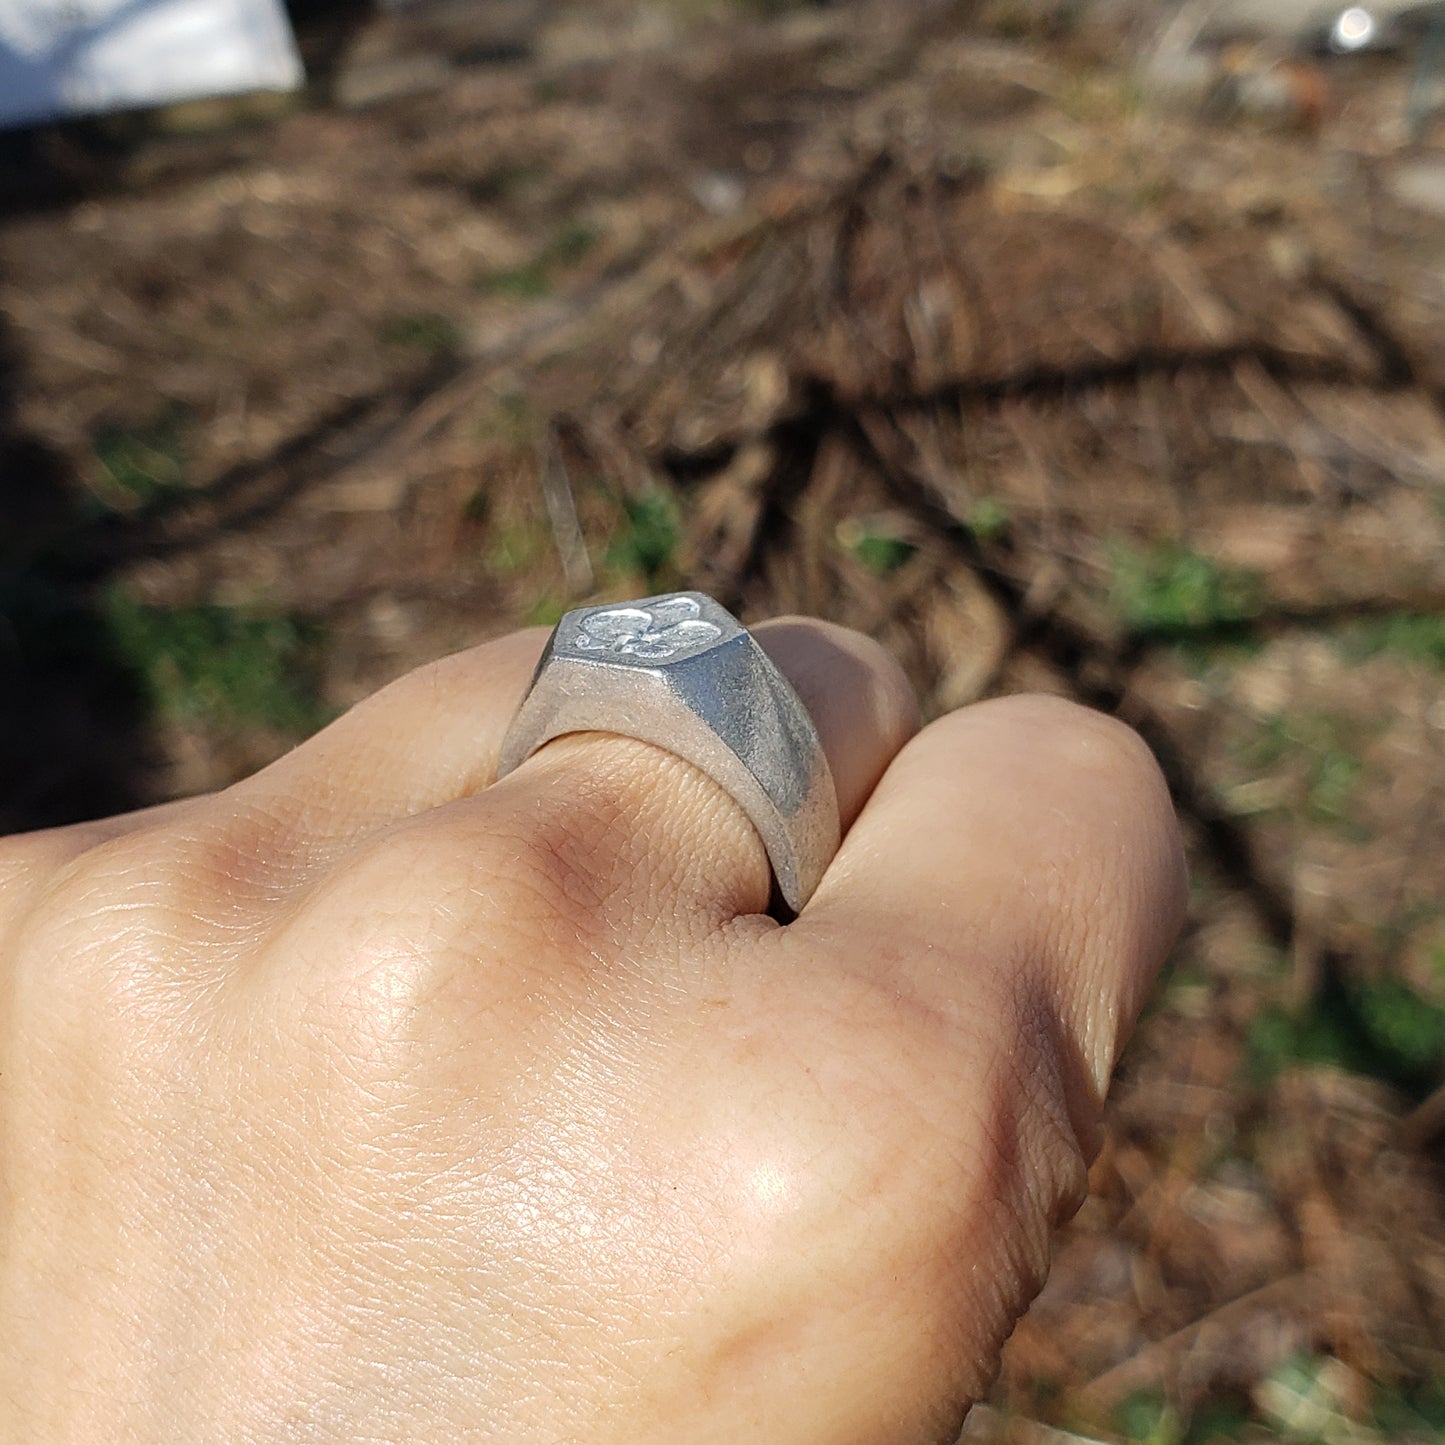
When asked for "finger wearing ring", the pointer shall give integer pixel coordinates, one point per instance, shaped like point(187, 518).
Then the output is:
point(650, 832)
point(679, 672)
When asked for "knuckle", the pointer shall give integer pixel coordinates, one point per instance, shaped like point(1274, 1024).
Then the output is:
point(30, 860)
point(99, 956)
point(1083, 738)
point(124, 888)
point(459, 884)
point(119, 923)
point(442, 680)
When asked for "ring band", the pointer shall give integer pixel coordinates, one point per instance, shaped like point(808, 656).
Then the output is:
point(681, 672)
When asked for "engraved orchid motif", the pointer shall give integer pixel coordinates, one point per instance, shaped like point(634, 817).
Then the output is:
point(655, 632)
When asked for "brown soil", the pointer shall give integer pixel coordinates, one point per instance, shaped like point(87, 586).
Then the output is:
point(871, 313)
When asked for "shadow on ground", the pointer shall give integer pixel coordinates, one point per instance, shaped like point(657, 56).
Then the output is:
point(74, 741)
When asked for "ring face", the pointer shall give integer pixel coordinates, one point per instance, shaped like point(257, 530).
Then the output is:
point(657, 630)
point(681, 672)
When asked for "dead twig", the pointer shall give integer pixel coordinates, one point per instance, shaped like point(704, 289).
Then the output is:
point(1157, 1362)
point(562, 515)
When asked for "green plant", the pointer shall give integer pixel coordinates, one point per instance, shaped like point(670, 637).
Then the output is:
point(1330, 790)
point(647, 545)
point(1378, 1027)
point(1169, 591)
point(882, 555)
point(143, 463)
point(546, 611)
point(988, 519)
point(1301, 1400)
point(424, 331)
point(1410, 636)
point(534, 279)
point(1217, 1420)
point(528, 282)
point(878, 547)
point(516, 547)
point(569, 247)
point(220, 665)
point(1413, 1409)
point(1319, 745)
point(1148, 1418)
point(1408, 1028)
point(510, 420)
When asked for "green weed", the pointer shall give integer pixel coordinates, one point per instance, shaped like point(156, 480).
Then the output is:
point(1378, 1027)
point(1409, 636)
point(883, 555)
point(569, 247)
point(220, 665)
point(988, 519)
point(647, 546)
point(882, 552)
point(1169, 591)
point(1217, 1420)
point(546, 611)
point(516, 547)
point(143, 463)
point(875, 543)
point(1331, 786)
point(1308, 1398)
point(1331, 765)
point(1415, 1410)
point(424, 331)
point(511, 420)
point(534, 279)
point(1149, 1419)
point(528, 282)
point(1301, 1401)
point(1409, 1028)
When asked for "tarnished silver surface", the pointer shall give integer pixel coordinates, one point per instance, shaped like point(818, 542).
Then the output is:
point(681, 672)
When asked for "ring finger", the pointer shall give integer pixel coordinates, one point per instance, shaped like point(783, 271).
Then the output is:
point(624, 836)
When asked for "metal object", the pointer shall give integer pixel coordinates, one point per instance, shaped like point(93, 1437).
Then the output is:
point(1354, 29)
point(1389, 27)
point(679, 671)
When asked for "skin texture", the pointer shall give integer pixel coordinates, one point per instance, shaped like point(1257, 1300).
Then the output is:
point(371, 1100)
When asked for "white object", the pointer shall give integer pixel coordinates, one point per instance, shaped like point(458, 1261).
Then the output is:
point(77, 57)
point(1354, 30)
point(1291, 19)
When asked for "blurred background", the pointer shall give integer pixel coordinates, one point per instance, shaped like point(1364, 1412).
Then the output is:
point(1092, 346)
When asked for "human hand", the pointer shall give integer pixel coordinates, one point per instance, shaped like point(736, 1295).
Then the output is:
point(366, 1101)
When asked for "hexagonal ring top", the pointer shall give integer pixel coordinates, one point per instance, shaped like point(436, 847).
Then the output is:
point(680, 672)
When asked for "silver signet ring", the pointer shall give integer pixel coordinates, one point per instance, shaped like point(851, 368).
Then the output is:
point(681, 672)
